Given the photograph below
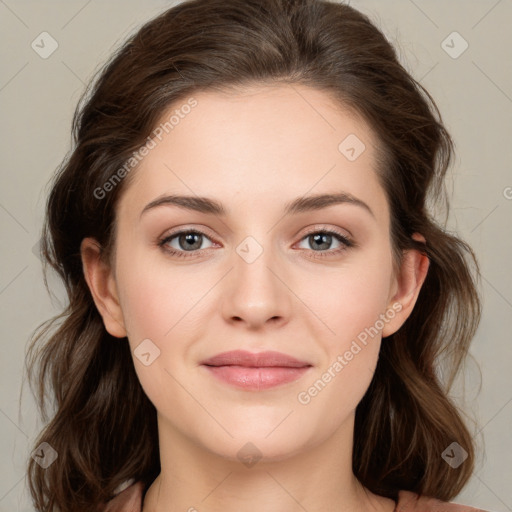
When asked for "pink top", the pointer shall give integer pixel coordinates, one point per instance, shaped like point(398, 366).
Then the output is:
point(130, 500)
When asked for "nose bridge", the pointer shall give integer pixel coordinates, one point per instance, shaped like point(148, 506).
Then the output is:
point(257, 292)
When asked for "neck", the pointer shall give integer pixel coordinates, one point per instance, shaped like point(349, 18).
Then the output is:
point(194, 479)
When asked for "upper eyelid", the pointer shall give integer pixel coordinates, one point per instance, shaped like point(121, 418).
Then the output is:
point(200, 231)
point(315, 229)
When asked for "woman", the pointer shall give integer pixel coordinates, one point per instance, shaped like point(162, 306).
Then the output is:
point(258, 295)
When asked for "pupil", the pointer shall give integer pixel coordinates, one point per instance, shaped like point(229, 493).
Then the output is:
point(190, 240)
point(321, 237)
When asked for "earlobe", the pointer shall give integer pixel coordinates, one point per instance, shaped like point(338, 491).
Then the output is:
point(410, 279)
point(101, 283)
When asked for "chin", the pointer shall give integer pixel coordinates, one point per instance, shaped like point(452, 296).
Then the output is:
point(259, 443)
point(250, 451)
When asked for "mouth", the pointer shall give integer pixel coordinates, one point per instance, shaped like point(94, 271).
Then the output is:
point(255, 371)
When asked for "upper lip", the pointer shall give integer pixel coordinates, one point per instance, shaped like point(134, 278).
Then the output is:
point(254, 360)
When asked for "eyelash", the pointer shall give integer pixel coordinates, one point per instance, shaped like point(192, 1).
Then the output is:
point(347, 243)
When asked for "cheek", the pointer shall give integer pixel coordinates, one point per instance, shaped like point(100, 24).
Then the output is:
point(354, 296)
point(352, 306)
point(153, 298)
point(163, 305)
point(155, 306)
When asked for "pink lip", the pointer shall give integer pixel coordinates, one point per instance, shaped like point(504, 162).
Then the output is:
point(258, 371)
point(254, 360)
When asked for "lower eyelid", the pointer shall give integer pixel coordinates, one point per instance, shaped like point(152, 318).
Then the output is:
point(345, 241)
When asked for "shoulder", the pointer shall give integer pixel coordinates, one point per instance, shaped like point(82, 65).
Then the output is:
point(127, 498)
point(411, 502)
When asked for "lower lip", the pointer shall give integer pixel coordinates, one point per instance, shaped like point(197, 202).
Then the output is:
point(256, 378)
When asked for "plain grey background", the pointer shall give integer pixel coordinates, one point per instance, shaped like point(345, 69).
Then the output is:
point(472, 87)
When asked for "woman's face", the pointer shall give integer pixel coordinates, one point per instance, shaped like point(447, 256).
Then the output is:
point(260, 276)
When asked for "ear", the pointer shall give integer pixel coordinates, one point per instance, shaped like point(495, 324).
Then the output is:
point(407, 283)
point(101, 282)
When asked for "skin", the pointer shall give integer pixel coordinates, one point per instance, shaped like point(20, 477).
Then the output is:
point(255, 150)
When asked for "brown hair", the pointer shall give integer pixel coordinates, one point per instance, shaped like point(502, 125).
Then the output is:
point(104, 427)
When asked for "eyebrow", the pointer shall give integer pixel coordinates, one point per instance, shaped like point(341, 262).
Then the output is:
point(299, 205)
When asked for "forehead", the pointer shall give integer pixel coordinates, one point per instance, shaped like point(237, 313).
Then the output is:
point(258, 143)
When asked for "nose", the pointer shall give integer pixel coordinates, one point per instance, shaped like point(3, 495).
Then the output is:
point(256, 290)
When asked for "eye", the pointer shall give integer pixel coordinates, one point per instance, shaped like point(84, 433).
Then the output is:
point(187, 241)
point(322, 239)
